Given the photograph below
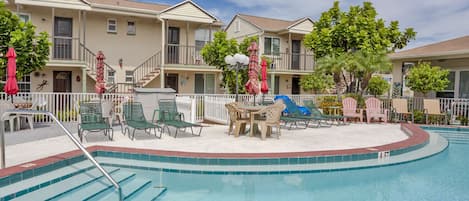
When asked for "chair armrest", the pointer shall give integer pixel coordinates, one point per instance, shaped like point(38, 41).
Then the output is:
point(154, 114)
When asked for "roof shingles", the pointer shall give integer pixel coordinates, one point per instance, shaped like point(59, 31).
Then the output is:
point(456, 45)
point(268, 24)
point(131, 4)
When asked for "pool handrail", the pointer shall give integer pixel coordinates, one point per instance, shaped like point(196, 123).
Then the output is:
point(69, 134)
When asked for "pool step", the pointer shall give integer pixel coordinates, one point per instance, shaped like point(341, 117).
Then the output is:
point(90, 190)
point(29, 185)
point(129, 188)
point(455, 137)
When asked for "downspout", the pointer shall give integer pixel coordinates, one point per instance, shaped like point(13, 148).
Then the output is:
point(163, 53)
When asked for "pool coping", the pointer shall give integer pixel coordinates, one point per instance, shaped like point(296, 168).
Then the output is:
point(417, 138)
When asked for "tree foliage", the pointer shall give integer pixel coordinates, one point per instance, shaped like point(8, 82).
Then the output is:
point(424, 78)
point(318, 82)
point(361, 68)
point(32, 50)
point(378, 86)
point(335, 65)
point(214, 54)
point(338, 32)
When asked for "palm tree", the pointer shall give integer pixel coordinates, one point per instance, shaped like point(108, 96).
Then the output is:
point(368, 64)
point(335, 65)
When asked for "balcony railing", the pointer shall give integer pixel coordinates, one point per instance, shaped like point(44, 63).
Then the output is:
point(183, 54)
point(65, 49)
point(292, 62)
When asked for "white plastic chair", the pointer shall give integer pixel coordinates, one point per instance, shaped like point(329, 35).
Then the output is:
point(107, 108)
point(5, 106)
point(38, 103)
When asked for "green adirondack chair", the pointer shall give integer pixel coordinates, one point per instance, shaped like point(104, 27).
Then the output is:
point(170, 117)
point(135, 118)
point(91, 120)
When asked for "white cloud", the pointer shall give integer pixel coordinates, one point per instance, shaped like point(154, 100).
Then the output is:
point(433, 20)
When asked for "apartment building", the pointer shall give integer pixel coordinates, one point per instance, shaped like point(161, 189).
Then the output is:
point(282, 42)
point(145, 45)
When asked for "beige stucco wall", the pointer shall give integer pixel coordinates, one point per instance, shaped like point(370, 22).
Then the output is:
point(246, 29)
point(48, 74)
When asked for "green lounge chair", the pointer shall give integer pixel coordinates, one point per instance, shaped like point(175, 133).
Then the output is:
point(135, 118)
point(170, 117)
point(316, 112)
point(295, 113)
point(91, 120)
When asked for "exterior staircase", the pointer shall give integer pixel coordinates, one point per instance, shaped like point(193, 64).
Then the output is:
point(82, 181)
point(147, 71)
point(90, 60)
point(143, 74)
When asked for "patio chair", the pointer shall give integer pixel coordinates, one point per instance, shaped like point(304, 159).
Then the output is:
point(316, 112)
point(91, 120)
point(431, 107)
point(170, 117)
point(135, 118)
point(236, 119)
point(374, 109)
point(294, 116)
point(400, 109)
point(37, 103)
point(271, 118)
point(5, 106)
point(349, 109)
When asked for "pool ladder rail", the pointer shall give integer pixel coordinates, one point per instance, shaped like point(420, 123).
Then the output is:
point(69, 134)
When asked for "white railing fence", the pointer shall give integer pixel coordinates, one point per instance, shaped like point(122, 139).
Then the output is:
point(198, 107)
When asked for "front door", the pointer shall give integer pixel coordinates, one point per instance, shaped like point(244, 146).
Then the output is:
point(295, 85)
point(62, 81)
point(171, 81)
point(63, 38)
point(173, 45)
point(295, 56)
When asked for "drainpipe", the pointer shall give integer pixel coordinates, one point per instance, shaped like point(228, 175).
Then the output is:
point(163, 53)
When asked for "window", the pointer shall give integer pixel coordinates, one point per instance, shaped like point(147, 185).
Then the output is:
point(24, 84)
point(111, 76)
point(131, 28)
point(202, 37)
point(111, 25)
point(204, 83)
point(271, 46)
point(237, 26)
point(24, 17)
point(449, 91)
point(129, 76)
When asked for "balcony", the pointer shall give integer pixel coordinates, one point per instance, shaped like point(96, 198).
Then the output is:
point(65, 49)
point(183, 55)
point(292, 62)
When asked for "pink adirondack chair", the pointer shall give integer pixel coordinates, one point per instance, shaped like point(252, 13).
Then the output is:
point(349, 108)
point(374, 110)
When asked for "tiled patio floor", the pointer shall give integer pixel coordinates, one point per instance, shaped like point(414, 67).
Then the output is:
point(49, 140)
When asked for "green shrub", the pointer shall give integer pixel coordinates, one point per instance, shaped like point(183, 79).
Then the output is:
point(419, 117)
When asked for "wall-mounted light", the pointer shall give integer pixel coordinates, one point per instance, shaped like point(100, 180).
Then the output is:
point(43, 19)
point(121, 61)
point(78, 78)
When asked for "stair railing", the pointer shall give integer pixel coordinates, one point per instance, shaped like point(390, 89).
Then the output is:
point(90, 59)
point(69, 134)
point(148, 66)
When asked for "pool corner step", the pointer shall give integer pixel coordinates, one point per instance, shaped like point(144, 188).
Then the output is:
point(54, 190)
point(129, 189)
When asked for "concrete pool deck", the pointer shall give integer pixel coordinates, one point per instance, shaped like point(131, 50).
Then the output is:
point(214, 139)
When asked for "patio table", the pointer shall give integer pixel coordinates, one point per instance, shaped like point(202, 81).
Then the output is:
point(252, 109)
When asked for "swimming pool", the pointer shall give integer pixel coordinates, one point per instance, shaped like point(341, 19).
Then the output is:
point(441, 177)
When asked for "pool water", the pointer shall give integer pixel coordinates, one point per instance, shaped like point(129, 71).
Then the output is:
point(441, 177)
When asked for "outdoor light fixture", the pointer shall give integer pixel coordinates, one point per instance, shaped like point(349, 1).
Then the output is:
point(237, 61)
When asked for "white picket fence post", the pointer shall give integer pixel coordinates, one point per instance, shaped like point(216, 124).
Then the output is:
point(214, 109)
point(187, 106)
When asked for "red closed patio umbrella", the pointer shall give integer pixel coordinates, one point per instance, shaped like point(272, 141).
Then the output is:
point(99, 87)
point(252, 86)
point(11, 85)
point(264, 85)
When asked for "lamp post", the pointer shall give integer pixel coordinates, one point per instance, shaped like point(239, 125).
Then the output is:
point(237, 62)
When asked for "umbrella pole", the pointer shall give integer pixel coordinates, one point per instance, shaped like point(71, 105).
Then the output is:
point(11, 96)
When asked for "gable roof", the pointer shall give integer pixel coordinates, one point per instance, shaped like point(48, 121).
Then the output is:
point(270, 24)
point(444, 48)
point(194, 4)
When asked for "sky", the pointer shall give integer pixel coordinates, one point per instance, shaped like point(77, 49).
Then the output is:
point(433, 20)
